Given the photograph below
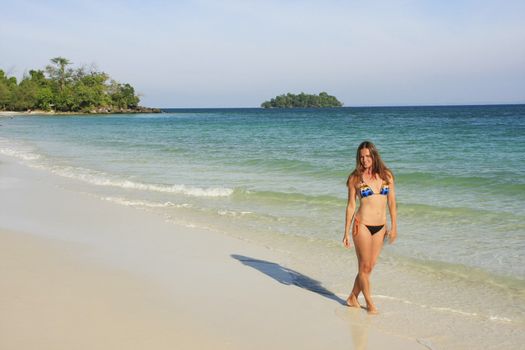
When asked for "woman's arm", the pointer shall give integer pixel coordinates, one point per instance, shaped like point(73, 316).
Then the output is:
point(350, 212)
point(392, 207)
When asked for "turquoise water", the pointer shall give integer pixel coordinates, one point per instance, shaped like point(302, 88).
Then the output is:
point(278, 177)
point(459, 170)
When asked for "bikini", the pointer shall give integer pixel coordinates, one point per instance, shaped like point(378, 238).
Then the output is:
point(365, 191)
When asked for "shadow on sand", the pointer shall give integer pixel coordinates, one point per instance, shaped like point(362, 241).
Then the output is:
point(287, 276)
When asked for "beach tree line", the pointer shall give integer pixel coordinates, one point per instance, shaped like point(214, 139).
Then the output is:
point(59, 87)
point(302, 100)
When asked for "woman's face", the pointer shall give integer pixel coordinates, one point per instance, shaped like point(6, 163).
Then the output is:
point(366, 158)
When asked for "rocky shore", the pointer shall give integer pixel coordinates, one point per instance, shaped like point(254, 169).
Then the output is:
point(101, 110)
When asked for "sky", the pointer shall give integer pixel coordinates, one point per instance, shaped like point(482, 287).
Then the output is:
point(234, 53)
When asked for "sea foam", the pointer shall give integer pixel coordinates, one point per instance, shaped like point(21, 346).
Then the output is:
point(19, 154)
point(143, 203)
point(103, 179)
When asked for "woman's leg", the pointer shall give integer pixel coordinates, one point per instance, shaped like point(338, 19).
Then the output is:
point(363, 242)
point(356, 290)
point(352, 299)
point(377, 245)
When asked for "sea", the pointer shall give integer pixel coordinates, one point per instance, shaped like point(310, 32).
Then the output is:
point(454, 279)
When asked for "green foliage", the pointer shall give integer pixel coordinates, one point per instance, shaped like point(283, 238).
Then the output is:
point(58, 73)
point(5, 91)
point(5, 96)
point(123, 95)
point(44, 98)
point(64, 89)
point(302, 100)
point(24, 95)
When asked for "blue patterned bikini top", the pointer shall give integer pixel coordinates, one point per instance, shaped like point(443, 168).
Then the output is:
point(365, 190)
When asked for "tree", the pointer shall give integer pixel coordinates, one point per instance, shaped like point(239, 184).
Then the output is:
point(58, 72)
point(65, 89)
point(5, 92)
point(90, 91)
point(302, 100)
point(123, 95)
point(24, 95)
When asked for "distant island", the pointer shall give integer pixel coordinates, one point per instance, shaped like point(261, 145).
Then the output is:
point(323, 100)
point(60, 89)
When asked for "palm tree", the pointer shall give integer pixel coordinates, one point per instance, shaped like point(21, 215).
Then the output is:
point(61, 62)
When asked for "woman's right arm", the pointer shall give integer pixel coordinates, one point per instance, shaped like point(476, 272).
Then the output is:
point(350, 211)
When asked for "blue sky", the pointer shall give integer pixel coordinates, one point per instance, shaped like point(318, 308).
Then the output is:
point(235, 53)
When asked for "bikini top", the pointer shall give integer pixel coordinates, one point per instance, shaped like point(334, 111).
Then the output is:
point(365, 190)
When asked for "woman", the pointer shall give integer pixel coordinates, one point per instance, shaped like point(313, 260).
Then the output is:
point(373, 183)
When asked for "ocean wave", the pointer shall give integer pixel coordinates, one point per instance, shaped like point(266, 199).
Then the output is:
point(225, 212)
point(143, 203)
point(295, 167)
point(101, 179)
point(491, 184)
point(290, 197)
point(500, 318)
point(437, 213)
point(407, 208)
point(494, 318)
point(280, 164)
point(19, 154)
point(459, 272)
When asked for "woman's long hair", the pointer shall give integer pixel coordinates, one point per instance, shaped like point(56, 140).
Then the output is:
point(378, 166)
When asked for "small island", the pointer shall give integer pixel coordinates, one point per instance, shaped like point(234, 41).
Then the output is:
point(302, 100)
point(62, 90)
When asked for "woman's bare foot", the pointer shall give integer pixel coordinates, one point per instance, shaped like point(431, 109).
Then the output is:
point(371, 309)
point(352, 301)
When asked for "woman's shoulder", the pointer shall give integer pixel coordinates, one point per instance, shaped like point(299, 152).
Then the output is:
point(389, 176)
point(353, 179)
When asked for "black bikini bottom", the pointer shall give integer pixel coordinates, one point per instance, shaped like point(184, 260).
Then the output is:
point(374, 229)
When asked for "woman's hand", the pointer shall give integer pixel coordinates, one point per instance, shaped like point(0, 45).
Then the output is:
point(392, 235)
point(346, 241)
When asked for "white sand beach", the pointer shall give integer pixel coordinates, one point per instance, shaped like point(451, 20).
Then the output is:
point(81, 273)
point(12, 114)
point(30, 113)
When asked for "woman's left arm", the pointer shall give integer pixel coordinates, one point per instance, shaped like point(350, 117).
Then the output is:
point(392, 207)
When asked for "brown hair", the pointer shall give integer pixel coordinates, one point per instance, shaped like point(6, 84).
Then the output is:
point(378, 166)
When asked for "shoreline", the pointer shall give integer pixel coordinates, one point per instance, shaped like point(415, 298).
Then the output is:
point(109, 276)
point(98, 112)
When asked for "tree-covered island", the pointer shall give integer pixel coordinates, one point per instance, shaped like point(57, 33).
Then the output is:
point(62, 89)
point(302, 100)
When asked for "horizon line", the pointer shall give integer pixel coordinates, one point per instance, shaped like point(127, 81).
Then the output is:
point(361, 106)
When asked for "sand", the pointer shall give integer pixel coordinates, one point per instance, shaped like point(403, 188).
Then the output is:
point(81, 273)
point(31, 113)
